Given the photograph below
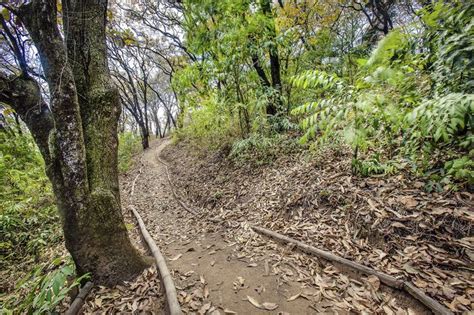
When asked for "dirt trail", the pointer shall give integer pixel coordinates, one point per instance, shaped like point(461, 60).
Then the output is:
point(217, 267)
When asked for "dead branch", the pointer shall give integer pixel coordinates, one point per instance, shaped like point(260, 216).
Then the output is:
point(390, 281)
point(170, 290)
point(79, 300)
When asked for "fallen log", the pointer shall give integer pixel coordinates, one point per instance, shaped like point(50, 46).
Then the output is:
point(79, 300)
point(432, 304)
point(390, 281)
point(170, 290)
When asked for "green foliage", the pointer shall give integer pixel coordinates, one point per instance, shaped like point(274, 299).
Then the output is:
point(208, 126)
point(26, 200)
point(452, 31)
point(262, 150)
point(129, 145)
point(325, 113)
point(29, 224)
point(387, 48)
point(227, 37)
point(388, 111)
point(46, 286)
point(407, 104)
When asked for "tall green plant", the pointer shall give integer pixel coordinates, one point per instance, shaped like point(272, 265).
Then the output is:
point(389, 111)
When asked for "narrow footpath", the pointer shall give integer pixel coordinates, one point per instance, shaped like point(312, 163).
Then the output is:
point(226, 268)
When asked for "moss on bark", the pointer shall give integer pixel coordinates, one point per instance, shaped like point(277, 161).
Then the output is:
point(80, 142)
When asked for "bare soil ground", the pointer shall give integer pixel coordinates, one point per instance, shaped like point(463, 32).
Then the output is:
point(226, 268)
point(388, 223)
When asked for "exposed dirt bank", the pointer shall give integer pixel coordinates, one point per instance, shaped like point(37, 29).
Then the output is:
point(389, 223)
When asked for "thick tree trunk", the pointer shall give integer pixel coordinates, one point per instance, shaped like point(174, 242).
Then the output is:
point(85, 109)
point(23, 94)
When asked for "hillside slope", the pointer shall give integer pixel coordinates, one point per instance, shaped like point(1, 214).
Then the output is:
point(389, 223)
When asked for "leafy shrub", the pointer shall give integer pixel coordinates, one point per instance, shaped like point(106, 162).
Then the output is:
point(209, 126)
point(260, 149)
point(129, 145)
point(26, 200)
point(29, 223)
point(452, 28)
point(398, 110)
point(44, 288)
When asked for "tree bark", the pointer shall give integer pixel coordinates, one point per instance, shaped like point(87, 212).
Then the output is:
point(85, 111)
point(274, 61)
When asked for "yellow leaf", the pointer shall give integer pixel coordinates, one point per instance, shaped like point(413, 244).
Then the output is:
point(6, 14)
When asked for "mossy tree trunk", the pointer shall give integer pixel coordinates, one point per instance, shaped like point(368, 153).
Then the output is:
point(82, 136)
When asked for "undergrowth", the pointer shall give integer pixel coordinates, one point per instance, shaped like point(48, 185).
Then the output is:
point(43, 289)
point(403, 103)
point(207, 126)
point(129, 145)
point(260, 150)
point(27, 202)
point(37, 273)
point(398, 111)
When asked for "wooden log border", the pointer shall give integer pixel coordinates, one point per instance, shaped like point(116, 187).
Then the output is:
point(170, 290)
point(79, 300)
point(388, 280)
point(168, 176)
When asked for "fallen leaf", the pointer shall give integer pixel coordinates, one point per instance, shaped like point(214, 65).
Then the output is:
point(204, 308)
point(98, 302)
point(267, 268)
point(253, 302)
point(194, 305)
point(398, 225)
point(408, 268)
point(190, 272)
point(374, 282)
point(270, 306)
point(462, 299)
point(408, 201)
point(418, 184)
point(387, 310)
point(294, 297)
point(176, 257)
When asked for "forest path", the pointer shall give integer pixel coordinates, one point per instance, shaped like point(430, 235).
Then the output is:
point(225, 268)
point(208, 269)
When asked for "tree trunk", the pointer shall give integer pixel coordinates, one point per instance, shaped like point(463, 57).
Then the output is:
point(144, 134)
point(276, 103)
point(85, 110)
